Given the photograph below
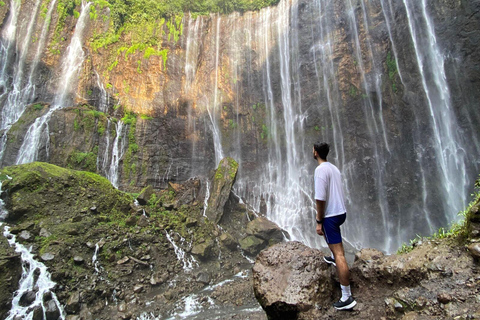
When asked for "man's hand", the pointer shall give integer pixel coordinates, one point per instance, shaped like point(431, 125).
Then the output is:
point(320, 229)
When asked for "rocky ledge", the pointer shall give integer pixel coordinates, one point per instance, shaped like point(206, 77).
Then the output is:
point(438, 279)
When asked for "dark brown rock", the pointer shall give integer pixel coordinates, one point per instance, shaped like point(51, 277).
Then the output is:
point(228, 241)
point(474, 249)
point(444, 298)
point(73, 303)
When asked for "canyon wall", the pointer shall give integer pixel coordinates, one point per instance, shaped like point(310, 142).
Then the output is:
point(392, 85)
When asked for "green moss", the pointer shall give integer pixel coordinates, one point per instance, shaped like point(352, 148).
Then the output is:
point(392, 70)
point(83, 160)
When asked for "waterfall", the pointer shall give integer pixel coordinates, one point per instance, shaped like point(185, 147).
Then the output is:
point(213, 110)
point(450, 149)
point(35, 278)
point(104, 98)
point(20, 93)
point(7, 44)
point(339, 81)
point(118, 151)
point(38, 133)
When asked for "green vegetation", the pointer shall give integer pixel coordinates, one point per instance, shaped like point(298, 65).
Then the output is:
point(83, 160)
point(146, 22)
point(392, 70)
point(353, 91)
point(37, 106)
point(145, 117)
point(458, 230)
point(130, 159)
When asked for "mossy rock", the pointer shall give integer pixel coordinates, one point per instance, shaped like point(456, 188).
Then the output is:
point(204, 250)
point(252, 245)
point(224, 179)
point(37, 189)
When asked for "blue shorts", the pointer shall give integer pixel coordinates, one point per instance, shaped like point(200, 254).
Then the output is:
point(331, 228)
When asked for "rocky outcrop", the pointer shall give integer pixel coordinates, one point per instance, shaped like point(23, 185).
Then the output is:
point(32, 183)
point(291, 281)
point(223, 181)
point(438, 279)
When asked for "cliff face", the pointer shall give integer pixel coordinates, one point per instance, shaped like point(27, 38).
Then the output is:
point(392, 85)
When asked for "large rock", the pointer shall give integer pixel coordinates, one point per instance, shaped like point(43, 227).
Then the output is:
point(265, 229)
point(145, 195)
point(290, 280)
point(252, 245)
point(204, 250)
point(222, 186)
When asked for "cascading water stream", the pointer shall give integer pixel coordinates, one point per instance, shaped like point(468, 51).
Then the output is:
point(42, 286)
point(118, 151)
point(71, 64)
point(7, 44)
point(19, 93)
point(449, 146)
point(213, 110)
point(188, 262)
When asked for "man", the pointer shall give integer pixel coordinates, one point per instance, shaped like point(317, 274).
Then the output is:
point(331, 214)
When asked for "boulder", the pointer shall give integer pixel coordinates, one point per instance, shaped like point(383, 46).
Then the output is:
point(145, 195)
point(27, 298)
point(203, 250)
point(265, 229)
point(52, 312)
point(223, 181)
point(474, 249)
point(228, 241)
point(290, 280)
point(73, 303)
point(252, 245)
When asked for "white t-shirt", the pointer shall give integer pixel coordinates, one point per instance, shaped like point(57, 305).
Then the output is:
point(328, 188)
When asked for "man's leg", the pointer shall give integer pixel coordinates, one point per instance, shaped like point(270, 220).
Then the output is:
point(342, 266)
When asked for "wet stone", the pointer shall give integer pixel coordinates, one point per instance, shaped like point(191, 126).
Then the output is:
point(51, 311)
point(47, 256)
point(203, 277)
point(44, 233)
point(444, 298)
point(27, 298)
point(78, 260)
point(25, 235)
point(37, 313)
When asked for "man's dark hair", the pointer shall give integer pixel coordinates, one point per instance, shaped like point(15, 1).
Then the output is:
point(322, 149)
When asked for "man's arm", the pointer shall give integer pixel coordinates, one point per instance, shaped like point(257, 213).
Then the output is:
point(320, 215)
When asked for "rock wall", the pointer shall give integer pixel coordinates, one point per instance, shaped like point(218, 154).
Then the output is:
point(262, 87)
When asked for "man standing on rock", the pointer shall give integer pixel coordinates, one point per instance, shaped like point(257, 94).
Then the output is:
point(331, 214)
